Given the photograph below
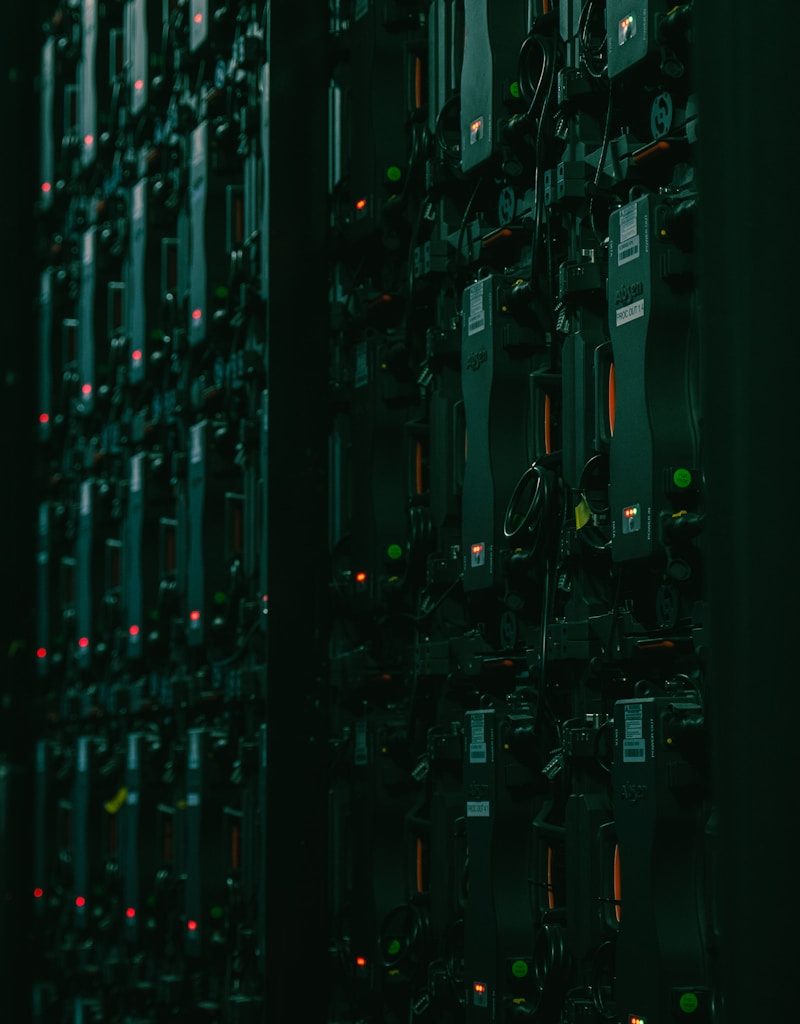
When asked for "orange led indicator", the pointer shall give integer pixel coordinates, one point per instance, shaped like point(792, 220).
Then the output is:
point(139, 84)
point(195, 615)
point(361, 204)
point(479, 987)
point(198, 18)
point(88, 140)
point(361, 577)
point(361, 961)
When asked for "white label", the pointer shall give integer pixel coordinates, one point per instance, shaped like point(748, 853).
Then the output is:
point(43, 519)
point(133, 752)
point(138, 200)
point(633, 312)
point(132, 799)
point(361, 751)
point(41, 756)
point(83, 754)
point(192, 799)
point(86, 498)
point(136, 473)
point(628, 252)
point(88, 247)
point(196, 443)
point(477, 808)
point(477, 317)
point(194, 750)
point(634, 750)
point(628, 222)
point(477, 747)
point(633, 722)
point(198, 136)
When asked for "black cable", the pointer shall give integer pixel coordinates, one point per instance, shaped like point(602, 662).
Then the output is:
point(602, 160)
point(464, 219)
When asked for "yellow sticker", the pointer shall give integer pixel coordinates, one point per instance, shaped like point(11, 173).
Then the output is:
point(583, 514)
point(117, 802)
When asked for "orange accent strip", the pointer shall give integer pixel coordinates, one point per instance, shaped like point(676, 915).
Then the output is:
point(548, 438)
point(655, 150)
point(496, 236)
point(551, 893)
point(617, 883)
point(418, 82)
point(420, 877)
point(666, 644)
point(612, 399)
point(418, 478)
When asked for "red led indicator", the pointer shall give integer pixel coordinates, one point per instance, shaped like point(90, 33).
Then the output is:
point(361, 577)
point(80, 901)
point(44, 417)
point(136, 355)
point(361, 204)
point(41, 652)
point(83, 642)
point(361, 961)
point(133, 630)
point(192, 926)
point(130, 913)
point(86, 389)
point(194, 616)
point(38, 893)
point(88, 140)
point(479, 987)
point(198, 18)
point(197, 314)
point(46, 187)
point(138, 84)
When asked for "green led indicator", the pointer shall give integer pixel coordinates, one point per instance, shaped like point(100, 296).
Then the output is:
point(682, 478)
point(519, 969)
point(217, 913)
point(221, 291)
point(220, 597)
point(394, 551)
point(394, 947)
point(689, 1002)
point(515, 90)
point(394, 173)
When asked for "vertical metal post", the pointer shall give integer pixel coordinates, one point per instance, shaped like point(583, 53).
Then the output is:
point(749, 80)
point(297, 374)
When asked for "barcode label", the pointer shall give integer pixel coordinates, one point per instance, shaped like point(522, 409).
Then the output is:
point(133, 752)
point(477, 808)
point(477, 318)
point(477, 747)
point(628, 222)
point(86, 498)
point(633, 722)
point(194, 751)
point(634, 750)
point(628, 252)
point(196, 438)
point(362, 366)
point(192, 799)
